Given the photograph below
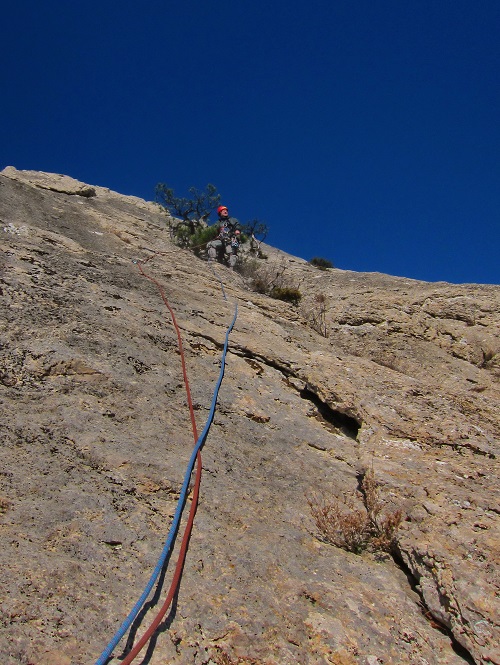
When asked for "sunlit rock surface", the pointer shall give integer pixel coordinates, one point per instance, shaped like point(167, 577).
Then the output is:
point(96, 437)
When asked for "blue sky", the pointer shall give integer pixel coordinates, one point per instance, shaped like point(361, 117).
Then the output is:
point(362, 131)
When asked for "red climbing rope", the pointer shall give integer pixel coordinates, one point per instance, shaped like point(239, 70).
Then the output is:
point(179, 342)
point(177, 572)
point(194, 502)
point(195, 457)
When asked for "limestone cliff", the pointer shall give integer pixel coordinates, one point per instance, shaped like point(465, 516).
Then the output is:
point(96, 436)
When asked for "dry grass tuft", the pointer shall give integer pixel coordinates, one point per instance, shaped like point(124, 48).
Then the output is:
point(272, 279)
point(315, 314)
point(355, 529)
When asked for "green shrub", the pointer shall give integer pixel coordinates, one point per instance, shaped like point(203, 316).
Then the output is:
point(197, 241)
point(269, 278)
point(193, 210)
point(286, 293)
point(322, 264)
point(256, 232)
point(181, 235)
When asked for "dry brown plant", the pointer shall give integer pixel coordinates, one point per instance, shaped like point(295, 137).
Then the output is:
point(315, 314)
point(355, 529)
point(271, 278)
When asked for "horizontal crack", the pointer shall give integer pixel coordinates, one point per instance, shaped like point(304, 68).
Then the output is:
point(346, 424)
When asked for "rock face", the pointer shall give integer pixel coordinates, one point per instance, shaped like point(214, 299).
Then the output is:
point(402, 378)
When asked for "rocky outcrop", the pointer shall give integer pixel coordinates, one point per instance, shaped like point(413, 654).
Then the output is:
point(402, 377)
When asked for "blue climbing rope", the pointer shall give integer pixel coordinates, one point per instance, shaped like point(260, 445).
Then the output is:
point(103, 659)
point(218, 278)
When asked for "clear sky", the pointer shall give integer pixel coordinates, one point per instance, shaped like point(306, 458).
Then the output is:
point(366, 132)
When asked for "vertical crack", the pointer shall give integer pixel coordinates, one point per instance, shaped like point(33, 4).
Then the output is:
point(435, 623)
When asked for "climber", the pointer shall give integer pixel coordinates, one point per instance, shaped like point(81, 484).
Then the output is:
point(225, 246)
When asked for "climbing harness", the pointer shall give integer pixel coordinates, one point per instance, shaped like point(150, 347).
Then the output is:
point(195, 457)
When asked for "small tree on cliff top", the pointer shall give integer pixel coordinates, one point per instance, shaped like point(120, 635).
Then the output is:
point(257, 232)
point(192, 211)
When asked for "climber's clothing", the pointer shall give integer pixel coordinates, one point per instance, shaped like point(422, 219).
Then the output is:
point(225, 246)
point(224, 250)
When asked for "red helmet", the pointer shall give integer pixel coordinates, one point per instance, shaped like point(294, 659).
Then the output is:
point(220, 209)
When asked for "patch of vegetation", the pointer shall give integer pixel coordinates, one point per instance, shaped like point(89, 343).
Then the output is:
point(315, 314)
point(193, 211)
point(286, 293)
point(257, 232)
point(354, 529)
point(188, 219)
point(271, 279)
point(199, 239)
point(188, 216)
point(322, 264)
